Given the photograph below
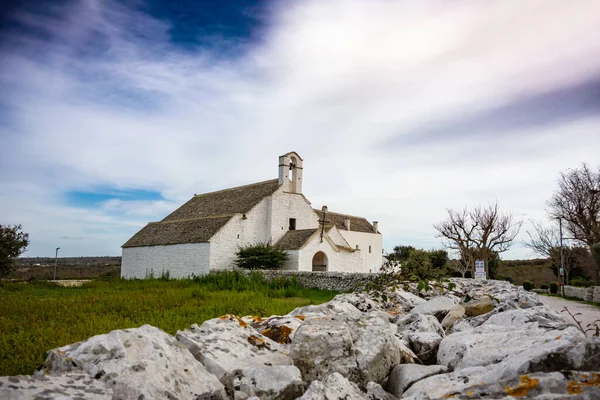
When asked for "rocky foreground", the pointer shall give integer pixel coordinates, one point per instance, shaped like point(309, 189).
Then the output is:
point(502, 343)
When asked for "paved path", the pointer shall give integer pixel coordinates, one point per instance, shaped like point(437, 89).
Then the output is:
point(588, 313)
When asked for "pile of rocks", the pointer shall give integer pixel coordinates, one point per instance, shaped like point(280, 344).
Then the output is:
point(502, 343)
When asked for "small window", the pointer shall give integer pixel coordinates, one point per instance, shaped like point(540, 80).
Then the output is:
point(292, 224)
point(369, 249)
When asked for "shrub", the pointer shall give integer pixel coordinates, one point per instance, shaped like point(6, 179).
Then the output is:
point(580, 282)
point(553, 288)
point(260, 256)
point(528, 285)
point(544, 287)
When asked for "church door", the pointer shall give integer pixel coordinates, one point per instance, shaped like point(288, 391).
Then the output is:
point(319, 262)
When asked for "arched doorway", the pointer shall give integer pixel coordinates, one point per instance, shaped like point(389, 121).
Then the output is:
point(319, 262)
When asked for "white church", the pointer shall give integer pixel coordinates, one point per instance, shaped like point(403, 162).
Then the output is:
point(204, 234)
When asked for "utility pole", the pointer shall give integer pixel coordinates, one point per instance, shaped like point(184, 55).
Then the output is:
point(562, 255)
point(55, 262)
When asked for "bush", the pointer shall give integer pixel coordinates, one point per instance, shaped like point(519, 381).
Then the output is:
point(260, 256)
point(581, 282)
point(528, 285)
point(544, 287)
point(506, 278)
point(553, 288)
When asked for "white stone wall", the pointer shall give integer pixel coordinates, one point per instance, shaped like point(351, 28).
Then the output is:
point(337, 237)
point(290, 205)
point(370, 260)
point(240, 232)
point(292, 263)
point(181, 260)
point(337, 261)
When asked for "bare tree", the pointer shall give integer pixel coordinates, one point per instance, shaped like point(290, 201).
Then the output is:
point(577, 202)
point(545, 242)
point(478, 233)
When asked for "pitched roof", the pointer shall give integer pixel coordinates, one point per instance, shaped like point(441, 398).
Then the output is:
point(357, 224)
point(202, 216)
point(295, 240)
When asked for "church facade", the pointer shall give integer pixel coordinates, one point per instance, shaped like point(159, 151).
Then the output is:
point(204, 234)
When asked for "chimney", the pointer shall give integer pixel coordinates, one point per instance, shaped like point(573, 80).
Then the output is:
point(347, 223)
point(376, 226)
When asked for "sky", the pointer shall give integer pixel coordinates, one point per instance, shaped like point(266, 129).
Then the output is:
point(114, 113)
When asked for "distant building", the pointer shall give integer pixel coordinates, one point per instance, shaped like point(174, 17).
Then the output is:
point(204, 234)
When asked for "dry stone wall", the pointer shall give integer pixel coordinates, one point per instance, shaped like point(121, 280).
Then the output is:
point(337, 281)
point(591, 293)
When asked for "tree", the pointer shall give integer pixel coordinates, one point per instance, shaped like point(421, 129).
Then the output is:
point(13, 243)
point(478, 233)
point(425, 264)
point(260, 256)
point(577, 203)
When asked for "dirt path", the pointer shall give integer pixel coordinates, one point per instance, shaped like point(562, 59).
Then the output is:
point(588, 313)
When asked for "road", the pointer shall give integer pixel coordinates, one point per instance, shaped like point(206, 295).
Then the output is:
point(588, 313)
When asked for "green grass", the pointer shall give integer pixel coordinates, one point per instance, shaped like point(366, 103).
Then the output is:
point(39, 316)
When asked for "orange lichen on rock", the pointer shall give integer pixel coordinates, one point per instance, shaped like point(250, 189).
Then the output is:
point(279, 334)
point(558, 337)
point(234, 318)
point(256, 341)
point(574, 387)
point(524, 387)
point(256, 318)
point(300, 317)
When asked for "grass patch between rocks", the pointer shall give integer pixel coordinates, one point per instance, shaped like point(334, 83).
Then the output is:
point(39, 316)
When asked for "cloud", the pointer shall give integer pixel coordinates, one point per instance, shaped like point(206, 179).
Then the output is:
point(473, 102)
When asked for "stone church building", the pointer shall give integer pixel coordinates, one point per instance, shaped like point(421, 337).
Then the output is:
point(204, 234)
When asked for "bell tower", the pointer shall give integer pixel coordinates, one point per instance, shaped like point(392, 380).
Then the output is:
point(290, 172)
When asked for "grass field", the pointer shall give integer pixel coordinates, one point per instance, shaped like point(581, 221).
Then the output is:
point(537, 271)
point(37, 316)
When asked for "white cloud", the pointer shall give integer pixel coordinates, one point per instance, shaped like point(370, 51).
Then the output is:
point(338, 81)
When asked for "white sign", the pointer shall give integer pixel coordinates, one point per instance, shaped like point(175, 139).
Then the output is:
point(480, 270)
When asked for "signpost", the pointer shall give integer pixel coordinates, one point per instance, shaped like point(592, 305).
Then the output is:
point(480, 270)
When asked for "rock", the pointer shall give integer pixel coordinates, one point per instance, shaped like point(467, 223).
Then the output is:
point(376, 392)
point(523, 349)
point(335, 387)
point(227, 343)
point(333, 307)
point(478, 307)
point(143, 362)
point(541, 316)
point(404, 375)
point(438, 307)
point(406, 299)
point(445, 385)
point(280, 329)
point(68, 386)
point(361, 301)
point(280, 382)
point(425, 345)
point(322, 347)
point(419, 323)
point(543, 385)
point(455, 314)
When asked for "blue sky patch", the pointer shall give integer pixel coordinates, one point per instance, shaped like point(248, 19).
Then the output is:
point(80, 198)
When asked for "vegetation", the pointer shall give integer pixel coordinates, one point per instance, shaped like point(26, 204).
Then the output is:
point(260, 256)
point(417, 263)
point(13, 243)
point(553, 288)
point(480, 233)
point(38, 316)
point(527, 285)
point(538, 271)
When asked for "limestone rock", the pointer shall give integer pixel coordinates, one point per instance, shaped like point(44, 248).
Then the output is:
point(361, 301)
point(280, 329)
point(143, 362)
point(542, 316)
point(406, 299)
point(478, 307)
point(404, 375)
point(445, 385)
point(438, 307)
point(376, 392)
point(455, 314)
point(419, 323)
point(333, 307)
point(425, 345)
point(280, 382)
point(70, 386)
point(227, 343)
point(334, 387)
point(322, 347)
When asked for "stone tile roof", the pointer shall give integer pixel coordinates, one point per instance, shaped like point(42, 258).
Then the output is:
point(357, 224)
point(202, 216)
point(295, 240)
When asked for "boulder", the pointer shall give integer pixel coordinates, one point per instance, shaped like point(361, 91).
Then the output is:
point(362, 301)
point(334, 387)
point(227, 343)
point(376, 392)
point(407, 300)
point(143, 362)
point(333, 307)
point(438, 307)
point(404, 375)
point(281, 382)
point(541, 316)
point(67, 386)
point(455, 314)
point(425, 345)
point(324, 346)
point(478, 307)
point(280, 329)
point(443, 386)
point(419, 323)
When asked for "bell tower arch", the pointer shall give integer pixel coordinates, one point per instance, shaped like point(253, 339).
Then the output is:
point(290, 172)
